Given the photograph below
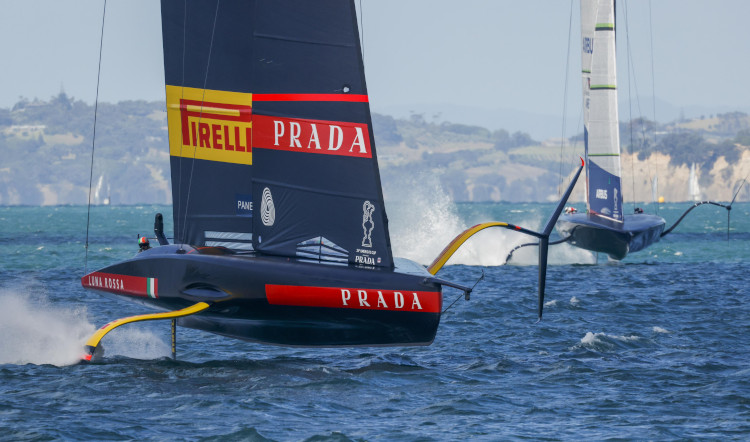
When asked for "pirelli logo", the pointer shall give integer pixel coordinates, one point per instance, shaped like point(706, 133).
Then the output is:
point(220, 126)
point(210, 125)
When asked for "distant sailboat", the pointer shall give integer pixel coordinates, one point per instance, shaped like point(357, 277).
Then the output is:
point(693, 187)
point(98, 190)
point(604, 228)
point(99, 195)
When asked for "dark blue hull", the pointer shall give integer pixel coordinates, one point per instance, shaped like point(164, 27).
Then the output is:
point(280, 301)
point(594, 233)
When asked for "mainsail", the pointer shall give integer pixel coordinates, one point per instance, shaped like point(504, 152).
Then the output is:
point(271, 140)
point(601, 134)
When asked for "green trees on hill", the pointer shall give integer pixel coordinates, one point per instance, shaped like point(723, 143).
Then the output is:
point(504, 141)
point(686, 146)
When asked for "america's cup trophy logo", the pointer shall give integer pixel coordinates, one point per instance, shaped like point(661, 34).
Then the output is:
point(367, 223)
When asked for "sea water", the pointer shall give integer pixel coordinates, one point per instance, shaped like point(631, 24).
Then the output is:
point(652, 347)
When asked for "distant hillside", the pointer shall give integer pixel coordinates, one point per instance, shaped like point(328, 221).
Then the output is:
point(473, 164)
point(46, 149)
point(46, 156)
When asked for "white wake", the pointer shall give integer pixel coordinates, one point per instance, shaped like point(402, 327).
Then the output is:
point(34, 330)
point(423, 219)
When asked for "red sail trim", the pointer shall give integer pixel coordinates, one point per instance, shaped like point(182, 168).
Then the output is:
point(367, 299)
point(356, 98)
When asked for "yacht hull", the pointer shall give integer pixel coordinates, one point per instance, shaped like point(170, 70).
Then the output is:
point(281, 301)
point(597, 234)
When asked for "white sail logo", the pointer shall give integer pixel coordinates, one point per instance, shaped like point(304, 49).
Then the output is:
point(367, 223)
point(267, 210)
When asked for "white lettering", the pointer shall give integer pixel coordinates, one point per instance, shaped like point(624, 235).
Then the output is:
point(294, 131)
point(359, 259)
point(359, 139)
point(362, 298)
point(278, 131)
point(314, 136)
point(381, 300)
point(338, 134)
point(398, 298)
point(416, 302)
point(345, 296)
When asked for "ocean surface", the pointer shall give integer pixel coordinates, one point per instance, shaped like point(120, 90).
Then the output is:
point(656, 347)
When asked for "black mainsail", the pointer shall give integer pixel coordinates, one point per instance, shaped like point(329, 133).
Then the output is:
point(271, 138)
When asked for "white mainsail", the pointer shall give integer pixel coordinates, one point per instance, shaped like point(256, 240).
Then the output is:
point(98, 190)
point(601, 132)
point(694, 189)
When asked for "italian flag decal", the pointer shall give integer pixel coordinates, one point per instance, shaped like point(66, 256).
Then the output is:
point(151, 287)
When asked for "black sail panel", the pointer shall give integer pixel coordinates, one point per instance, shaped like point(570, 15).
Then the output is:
point(207, 66)
point(270, 129)
point(316, 179)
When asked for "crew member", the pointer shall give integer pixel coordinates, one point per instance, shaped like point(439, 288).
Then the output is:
point(143, 244)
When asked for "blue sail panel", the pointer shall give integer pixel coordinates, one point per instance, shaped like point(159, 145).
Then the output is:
point(605, 196)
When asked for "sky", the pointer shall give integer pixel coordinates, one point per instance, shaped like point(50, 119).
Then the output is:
point(494, 63)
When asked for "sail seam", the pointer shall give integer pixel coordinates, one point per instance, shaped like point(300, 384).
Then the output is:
point(314, 191)
point(296, 40)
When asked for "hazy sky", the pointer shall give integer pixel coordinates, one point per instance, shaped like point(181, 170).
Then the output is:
point(452, 57)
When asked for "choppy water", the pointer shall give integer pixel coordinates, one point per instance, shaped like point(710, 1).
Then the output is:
point(654, 347)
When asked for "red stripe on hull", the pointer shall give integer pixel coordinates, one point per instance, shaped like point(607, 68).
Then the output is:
point(120, 284)
point(368, 299)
